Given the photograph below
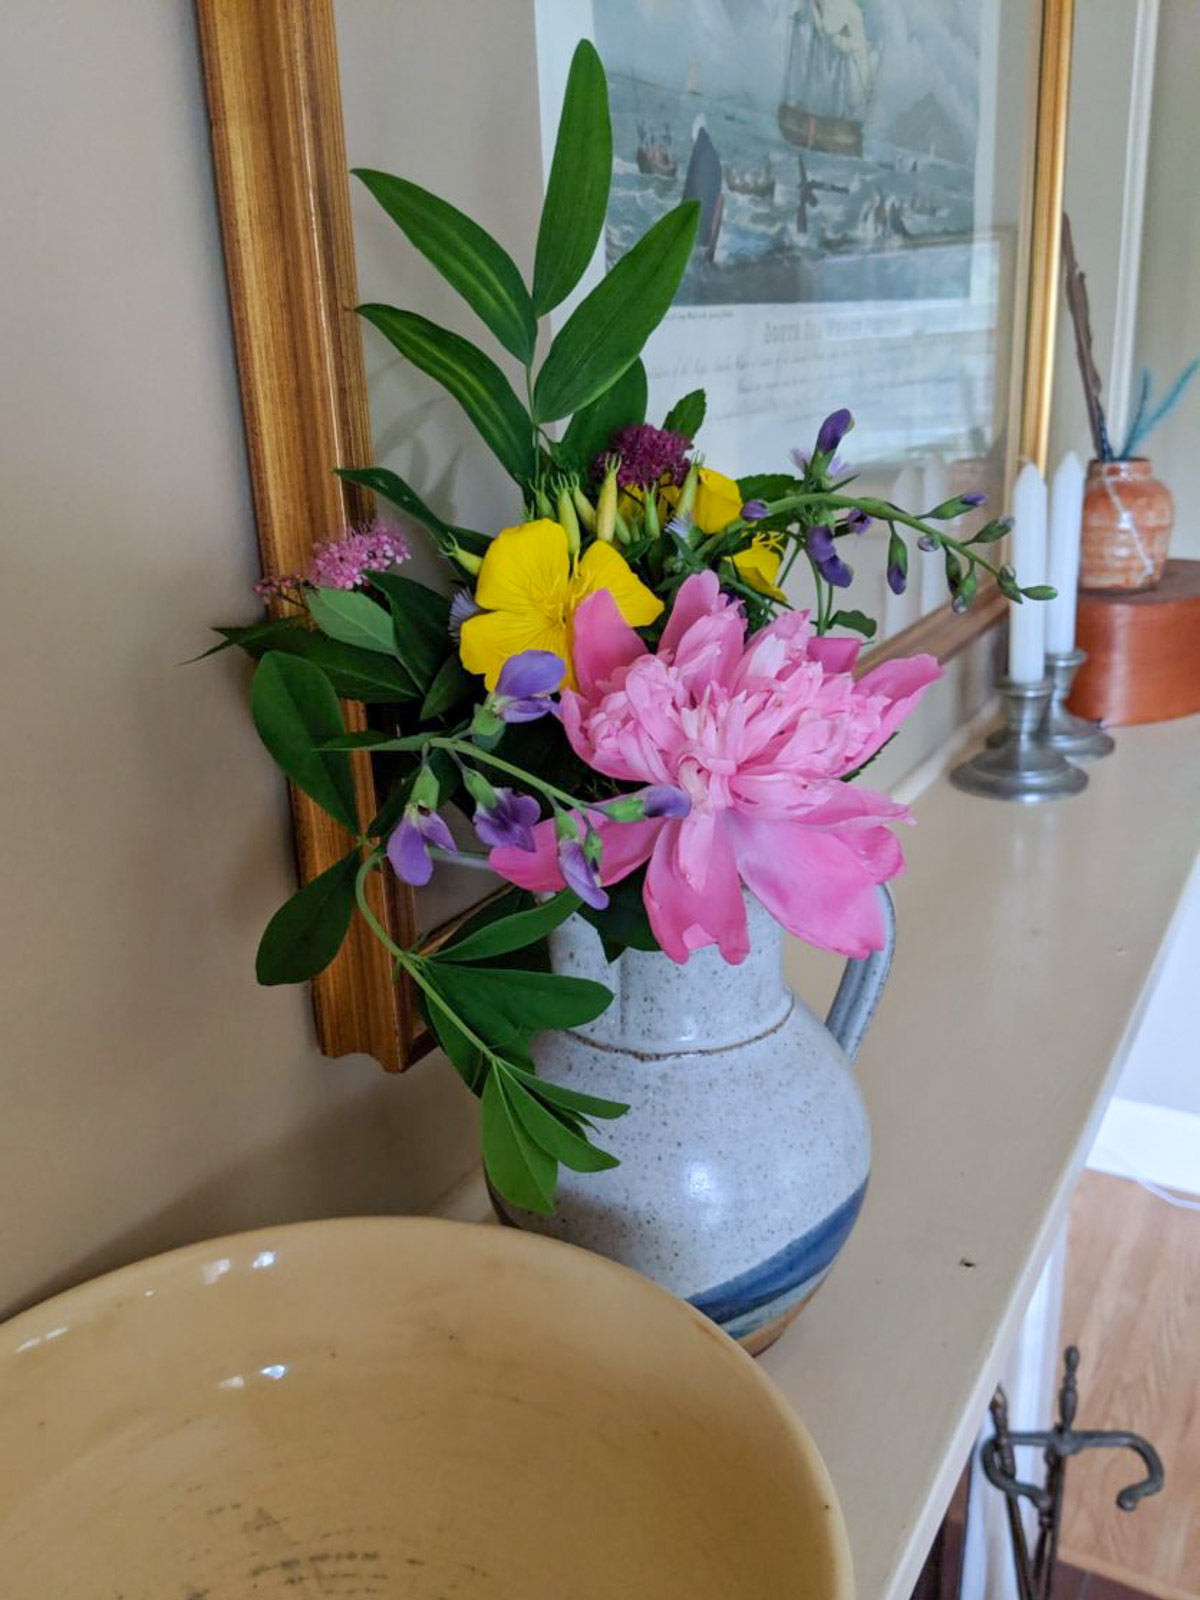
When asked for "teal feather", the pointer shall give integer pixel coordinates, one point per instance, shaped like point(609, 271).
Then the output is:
point(1143, 425)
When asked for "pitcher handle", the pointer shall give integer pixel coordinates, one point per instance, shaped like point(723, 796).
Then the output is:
point(854, 1004)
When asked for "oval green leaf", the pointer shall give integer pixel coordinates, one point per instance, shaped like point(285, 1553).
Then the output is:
point(551, 1133)
point(577, 190)
point(296, 711)
point(352, 618)
point(465, 254)
point(474, 380)
point(606, 331)
point(514, 932)
point(518, 1169)
point(307, 931)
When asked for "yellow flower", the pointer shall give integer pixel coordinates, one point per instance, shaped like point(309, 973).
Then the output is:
point(758, 565)
point(718, 501)
point(529, 589)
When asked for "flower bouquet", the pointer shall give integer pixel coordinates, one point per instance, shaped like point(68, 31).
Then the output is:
point(615, 689)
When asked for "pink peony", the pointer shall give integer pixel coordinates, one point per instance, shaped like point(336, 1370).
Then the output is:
point(759, 735)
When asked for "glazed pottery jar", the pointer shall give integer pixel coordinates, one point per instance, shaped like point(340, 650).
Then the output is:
point(1127, 520)
point(745, 1152)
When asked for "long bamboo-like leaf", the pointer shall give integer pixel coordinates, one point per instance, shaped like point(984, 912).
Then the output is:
point(590, 431)
point(474, 380)
point(382, 481)
point(577, 190)
point(605, 333)
point(465, 254)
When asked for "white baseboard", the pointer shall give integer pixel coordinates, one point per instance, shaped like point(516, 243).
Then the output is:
point(1153, 1143)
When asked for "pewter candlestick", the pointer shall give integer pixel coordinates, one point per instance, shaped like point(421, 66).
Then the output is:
point(1063, 730)
point(1021, 767)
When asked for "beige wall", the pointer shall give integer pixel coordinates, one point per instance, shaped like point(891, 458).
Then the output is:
point(151, 1092)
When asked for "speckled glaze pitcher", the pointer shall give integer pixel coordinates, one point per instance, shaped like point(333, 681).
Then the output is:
point(746, 1149)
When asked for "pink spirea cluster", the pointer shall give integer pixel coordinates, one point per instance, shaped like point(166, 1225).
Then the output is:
point(759, 734)
point(344, 562)
point(647, 455)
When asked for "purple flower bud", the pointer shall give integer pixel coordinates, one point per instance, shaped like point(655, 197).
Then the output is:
point(754, 510)
point(835, 571)
point(958, 604)
point(819, 543)
point(509, 821)
point(974, 499)
point(897, 578)
point(408, 847)
point(529, 673)
point(926, 543)
point(664, 800)
point(525, 684)
point(833, 430)
point(580, 875)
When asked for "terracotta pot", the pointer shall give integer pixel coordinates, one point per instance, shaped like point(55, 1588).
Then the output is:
point(1127, 520)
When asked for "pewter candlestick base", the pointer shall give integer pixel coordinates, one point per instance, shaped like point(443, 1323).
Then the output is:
point(1063, 730)
point(1020, 767)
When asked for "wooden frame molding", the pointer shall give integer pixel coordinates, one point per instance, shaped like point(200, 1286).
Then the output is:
point(274, 101)
point(278, 148)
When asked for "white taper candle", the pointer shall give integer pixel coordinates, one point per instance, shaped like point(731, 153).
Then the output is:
point(1062, 562)
point(1027, 621)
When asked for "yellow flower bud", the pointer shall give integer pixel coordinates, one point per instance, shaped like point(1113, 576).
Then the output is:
point(568, 519)
point(606, 507)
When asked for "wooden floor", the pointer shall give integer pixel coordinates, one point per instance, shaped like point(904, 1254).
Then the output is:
point(1133, 1308)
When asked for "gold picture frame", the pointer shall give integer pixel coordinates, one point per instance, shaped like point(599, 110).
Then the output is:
point(275, 110)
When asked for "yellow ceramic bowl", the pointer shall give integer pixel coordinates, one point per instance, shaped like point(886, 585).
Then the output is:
point(398, 1407)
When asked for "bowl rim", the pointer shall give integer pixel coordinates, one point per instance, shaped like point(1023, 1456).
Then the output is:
point(30, 1327)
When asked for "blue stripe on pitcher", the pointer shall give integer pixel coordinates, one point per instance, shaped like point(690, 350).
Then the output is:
point(783, 1278)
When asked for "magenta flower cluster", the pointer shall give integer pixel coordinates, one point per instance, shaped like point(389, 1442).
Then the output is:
point(647, 455)
point(345, 562)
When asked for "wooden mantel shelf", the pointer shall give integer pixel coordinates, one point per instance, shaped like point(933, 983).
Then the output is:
point(1029, 943)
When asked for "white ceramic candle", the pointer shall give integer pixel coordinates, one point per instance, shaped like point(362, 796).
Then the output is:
point(935, 490)
point(1027, 622)
point(1062, 562)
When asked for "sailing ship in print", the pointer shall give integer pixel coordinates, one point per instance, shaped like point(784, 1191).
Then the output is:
point(828, 80)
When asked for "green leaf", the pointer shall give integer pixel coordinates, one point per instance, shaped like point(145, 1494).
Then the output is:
point(389, 813)
point(421, 620)
point(362, 675)
point(465, 254)
point(296, 711)
point(519, 1170)
point(451, 685)
point(767, 486)
point(590, 431)
point(513, 933)
point(307, 931)
point(255, 633)
point(504, 1005)
point(352, 618)
point(547, 1129)
point(375, 739)
point(856, 621)
point(687, 415)
point(624, 923)
point(466, 1058)
point(392, 487)
point(606, 331)
point(474, 380)
point(573, 1100)
point(577, 189)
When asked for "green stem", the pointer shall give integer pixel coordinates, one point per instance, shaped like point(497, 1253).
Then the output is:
point(372, 921)
point(462, 747)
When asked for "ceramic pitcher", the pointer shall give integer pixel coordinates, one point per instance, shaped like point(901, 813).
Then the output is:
point(746, 1149)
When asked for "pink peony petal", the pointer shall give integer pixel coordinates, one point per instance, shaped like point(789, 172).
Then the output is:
point(903, 682)
point(686, 918)
point(814, 883)
point(699, 596)
point(835, 655)
point(626, 846)
point(602, 643)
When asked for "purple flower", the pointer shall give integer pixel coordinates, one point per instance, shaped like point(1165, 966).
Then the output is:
point(509, 821)
point(819, 543)
point(647, 455)
point(833, 430)
point(462, 608)
point(858, 521)
point(525, 684)
point(837, 468)
point(344, 562)
point(754, 510)
point(580, 874)
point(835, 571)
point(897, 577)
point(408, 847)
point(664, 800)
